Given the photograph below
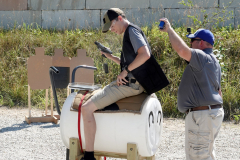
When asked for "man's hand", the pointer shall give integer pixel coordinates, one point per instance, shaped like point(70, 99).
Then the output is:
point(167, 25)
point(177, 42)
point(111, 57)
point(106, 54)
point(121, 78)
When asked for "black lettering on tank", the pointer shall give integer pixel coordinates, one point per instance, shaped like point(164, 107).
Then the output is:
point(159, 117)
point(150, 114)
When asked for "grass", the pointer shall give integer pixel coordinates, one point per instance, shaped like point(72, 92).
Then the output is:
point(16, 45)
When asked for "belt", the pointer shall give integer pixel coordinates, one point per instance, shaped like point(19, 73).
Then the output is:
point(204, 108)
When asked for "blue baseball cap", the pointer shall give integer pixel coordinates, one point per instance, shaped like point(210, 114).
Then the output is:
point(204, 34)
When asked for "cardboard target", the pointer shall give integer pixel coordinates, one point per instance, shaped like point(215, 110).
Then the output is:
point(82, 75)
point(61, 80)
point(38, 70)
point(58, 60)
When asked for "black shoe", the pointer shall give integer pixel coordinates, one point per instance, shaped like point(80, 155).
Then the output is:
point(88, 155)
point(87, 159)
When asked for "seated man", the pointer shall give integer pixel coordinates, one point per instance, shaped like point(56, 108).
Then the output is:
point(139, 72)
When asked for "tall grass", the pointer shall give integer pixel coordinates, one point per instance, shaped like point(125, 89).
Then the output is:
point(17, 45)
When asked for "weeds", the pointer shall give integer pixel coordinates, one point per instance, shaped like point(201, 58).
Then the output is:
point(236, 119)
point(18, 44)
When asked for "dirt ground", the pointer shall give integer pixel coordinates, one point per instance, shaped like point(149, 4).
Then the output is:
point(21, 141)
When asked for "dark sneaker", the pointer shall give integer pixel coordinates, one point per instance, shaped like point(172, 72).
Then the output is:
point(87, 159)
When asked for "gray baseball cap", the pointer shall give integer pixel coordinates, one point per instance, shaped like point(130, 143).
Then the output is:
point(110, 15)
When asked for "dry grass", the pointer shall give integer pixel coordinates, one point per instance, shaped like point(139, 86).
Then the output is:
point(17, 45)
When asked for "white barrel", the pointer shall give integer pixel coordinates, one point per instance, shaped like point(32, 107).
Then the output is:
point(116, 129)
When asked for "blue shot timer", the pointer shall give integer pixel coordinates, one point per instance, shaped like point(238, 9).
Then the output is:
point(161, 25)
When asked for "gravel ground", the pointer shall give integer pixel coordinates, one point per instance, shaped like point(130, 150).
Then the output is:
point(18, 140)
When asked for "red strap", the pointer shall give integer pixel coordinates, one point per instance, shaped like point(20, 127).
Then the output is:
point(79, 119)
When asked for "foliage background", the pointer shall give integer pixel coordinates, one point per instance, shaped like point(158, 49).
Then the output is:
point(18, 44)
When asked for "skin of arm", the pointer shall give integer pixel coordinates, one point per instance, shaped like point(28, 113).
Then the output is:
point(112, 57)
point(177, 42)
point(142, 56)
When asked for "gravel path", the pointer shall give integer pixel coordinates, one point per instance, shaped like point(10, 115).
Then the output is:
point(18, 140)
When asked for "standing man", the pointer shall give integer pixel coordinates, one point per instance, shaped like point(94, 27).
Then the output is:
point(139, 71)
point(199, 94)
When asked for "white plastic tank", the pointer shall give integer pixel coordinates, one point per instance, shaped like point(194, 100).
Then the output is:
point(116, 129)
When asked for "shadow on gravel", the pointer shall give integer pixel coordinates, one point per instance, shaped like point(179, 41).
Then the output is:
point(24, 125)
point(52, 126)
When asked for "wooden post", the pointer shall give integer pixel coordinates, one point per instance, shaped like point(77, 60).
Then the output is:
point(46, 103)
point(151, 158)
point(27, 119)
point(45, 118)
point(54, 117)
point(68, 90)
point(51, 101)
point(29, 101)
point(74, 149)
point(132, 152)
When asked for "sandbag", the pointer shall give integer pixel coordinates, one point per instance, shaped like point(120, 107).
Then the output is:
point(79, 96)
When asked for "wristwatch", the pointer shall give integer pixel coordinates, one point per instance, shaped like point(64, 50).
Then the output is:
point(126, 68)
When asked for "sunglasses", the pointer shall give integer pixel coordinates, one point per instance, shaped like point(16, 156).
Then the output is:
point(195, 39)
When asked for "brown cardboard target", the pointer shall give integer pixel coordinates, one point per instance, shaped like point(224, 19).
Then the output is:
point(58, 60)
point(82, 75)
point(38, 70)
point(62, 63)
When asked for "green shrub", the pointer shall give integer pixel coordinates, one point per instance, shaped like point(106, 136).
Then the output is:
point(17, 45)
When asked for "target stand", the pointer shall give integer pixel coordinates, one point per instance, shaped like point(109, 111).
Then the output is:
point(38, 78)
point(132, 152)
point(45, 117)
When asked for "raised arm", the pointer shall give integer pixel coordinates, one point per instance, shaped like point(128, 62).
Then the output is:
point(177, 42)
